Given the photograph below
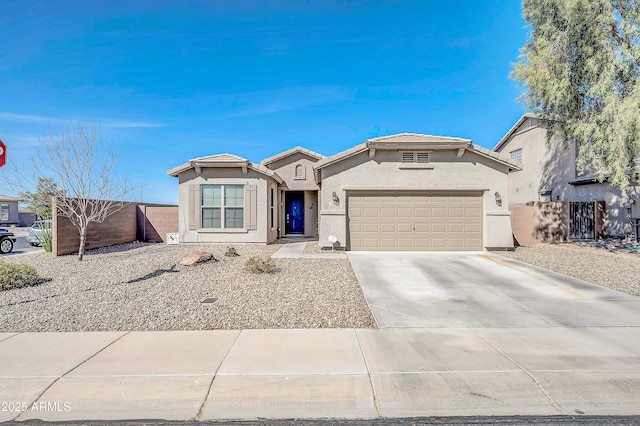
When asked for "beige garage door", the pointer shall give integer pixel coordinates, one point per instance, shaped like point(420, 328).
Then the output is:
point(414, 221)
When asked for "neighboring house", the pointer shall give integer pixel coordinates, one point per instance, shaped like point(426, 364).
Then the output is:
point(401, 192)
point(548, 173)
point(8, 210)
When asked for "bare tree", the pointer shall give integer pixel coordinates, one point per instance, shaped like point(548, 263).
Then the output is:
point(83, 167)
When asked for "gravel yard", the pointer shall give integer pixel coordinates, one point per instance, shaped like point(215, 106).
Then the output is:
point(612, 269)
point(143, 287)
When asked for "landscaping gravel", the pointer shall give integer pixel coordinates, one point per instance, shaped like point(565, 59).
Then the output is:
point(143, 287)
point(616, 270)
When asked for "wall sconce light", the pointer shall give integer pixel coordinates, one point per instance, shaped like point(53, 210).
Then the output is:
point(498, 198)
point(335, 198)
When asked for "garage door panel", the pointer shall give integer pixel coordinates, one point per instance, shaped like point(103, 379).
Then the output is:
point(422, 243)
point(371, 228)
point(405, 243)
point(422, 227)
point(405, 227)
point(456, 243)
point(380, 220)
point(472, 227)
point(421, 212)
point(388, 227)
point(455, 212)
point(438, 227)
point(439, 243)
point(456, 227)
point(405, 212)
point(439, 212)
point(388, 243)
point(472, 212)
point(387, 212)
point(370, 212)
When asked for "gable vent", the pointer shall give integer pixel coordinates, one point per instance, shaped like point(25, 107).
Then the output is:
point(422, 157)
point(415, 157)
point(407, 157)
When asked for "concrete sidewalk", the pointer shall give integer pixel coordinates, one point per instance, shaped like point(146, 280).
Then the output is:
point(320, 373)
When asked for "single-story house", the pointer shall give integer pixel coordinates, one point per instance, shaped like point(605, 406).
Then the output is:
point(8, 210)
point(547, 172)
point(404, 192)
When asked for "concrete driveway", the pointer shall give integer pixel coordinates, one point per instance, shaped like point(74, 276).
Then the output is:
point(482, 290)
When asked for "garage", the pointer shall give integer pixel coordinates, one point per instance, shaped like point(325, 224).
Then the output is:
point(414, 220)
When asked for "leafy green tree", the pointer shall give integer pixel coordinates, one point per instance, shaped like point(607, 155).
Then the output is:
point(581, 73)
point(40, 200)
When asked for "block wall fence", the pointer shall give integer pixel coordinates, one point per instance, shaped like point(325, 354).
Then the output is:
point(134, 222)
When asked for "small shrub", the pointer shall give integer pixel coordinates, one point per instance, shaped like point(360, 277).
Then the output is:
point(261, 265)
point(47, 240)
point(231, 252)
point(16, 275)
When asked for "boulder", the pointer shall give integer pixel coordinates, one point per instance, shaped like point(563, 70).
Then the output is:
point(197, 257)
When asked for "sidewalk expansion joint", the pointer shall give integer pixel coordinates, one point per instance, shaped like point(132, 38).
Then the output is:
point(528, 373)
point(373, 389)
point(215, 374)
point(40, 395)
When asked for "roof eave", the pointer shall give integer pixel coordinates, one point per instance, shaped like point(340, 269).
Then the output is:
point(290, 152)
point(513, 129)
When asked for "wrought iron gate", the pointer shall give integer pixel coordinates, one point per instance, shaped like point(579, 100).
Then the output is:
point(582, 220)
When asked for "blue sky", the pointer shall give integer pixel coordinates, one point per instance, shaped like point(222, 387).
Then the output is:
point(167, 81)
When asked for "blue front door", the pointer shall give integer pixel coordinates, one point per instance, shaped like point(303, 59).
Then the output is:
point(294, 215)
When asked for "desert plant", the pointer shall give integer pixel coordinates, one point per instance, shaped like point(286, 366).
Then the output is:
point(261, 265)
point(47, 239)
point(16, 275)
point(231, 252)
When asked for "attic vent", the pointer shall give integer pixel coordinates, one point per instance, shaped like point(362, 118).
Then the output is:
point(319, 175)
point(407, 157)
point(415, 157)
point(422, 157)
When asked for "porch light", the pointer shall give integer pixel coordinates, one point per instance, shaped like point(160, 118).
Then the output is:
point(498, 198)
point(335, 198)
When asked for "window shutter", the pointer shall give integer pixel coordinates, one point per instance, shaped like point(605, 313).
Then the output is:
point(194, 206)
point(251, 207)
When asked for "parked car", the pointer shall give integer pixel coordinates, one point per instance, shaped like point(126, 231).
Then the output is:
point(7, 239)
point(34, 234)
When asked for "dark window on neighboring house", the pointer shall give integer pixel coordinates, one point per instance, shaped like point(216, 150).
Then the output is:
point(4, 212)
point(222, 206)
point(516, 155)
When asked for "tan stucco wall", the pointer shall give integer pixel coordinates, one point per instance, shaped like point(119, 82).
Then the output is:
point(225, 176)
point(524, 185)
point(551, 168)
point(286, 169)
point(448, 173)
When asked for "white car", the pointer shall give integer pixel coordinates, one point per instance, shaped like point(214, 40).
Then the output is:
point(34, 234)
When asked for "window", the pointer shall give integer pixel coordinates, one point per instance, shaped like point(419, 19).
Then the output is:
point(415, 157)
point(4, 212)
point(222, 206)
point(272, 203)
point(300, 172)
point(516, 155)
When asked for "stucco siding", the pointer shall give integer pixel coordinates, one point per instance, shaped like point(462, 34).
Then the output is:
point(549, 167)
point(445, 172)
point(230, 176)
point(286, 169)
